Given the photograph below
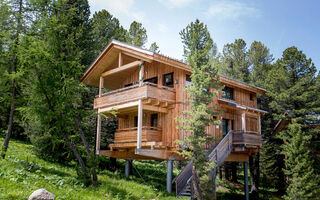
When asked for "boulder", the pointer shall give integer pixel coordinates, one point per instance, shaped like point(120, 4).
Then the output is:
point(41, 194)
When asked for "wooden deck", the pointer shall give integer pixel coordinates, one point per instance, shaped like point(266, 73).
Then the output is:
point(149, 134)
point(161, 94)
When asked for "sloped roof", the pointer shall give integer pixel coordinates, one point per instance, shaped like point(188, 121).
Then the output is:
point(148, 55)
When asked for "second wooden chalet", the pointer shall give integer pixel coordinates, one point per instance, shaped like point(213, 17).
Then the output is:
point(146, 90)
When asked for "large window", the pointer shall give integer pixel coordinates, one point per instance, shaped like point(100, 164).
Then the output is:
point(154, 120)
point(188, 80)
point(227, 92)
point(152, 80)
point(168, 80)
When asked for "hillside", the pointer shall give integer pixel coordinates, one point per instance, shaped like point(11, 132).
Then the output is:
point(23, 172)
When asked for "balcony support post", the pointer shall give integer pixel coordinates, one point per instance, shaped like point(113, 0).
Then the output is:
point(243, 120)
point(140, 115)
point(120, 60)
point(169, 174)
point(128, 168)
point(259, 124)
point(98, 134)
point(141, 74)
point(101, 86)
point(246, 186)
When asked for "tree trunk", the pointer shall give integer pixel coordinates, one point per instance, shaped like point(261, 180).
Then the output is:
point(196, 184)
point(254, 174)
point(13, 93)
point(234, 170)
point(10, 124)
point(76, 153)
point(85, 143)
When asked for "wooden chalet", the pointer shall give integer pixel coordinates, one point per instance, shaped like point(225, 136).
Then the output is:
point(146, 90)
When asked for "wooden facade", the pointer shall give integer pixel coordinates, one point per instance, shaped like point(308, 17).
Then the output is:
point(146, 92)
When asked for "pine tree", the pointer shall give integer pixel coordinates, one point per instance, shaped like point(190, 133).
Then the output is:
point(198, 47)
point(137, 34)
point(234, 61)
point(303, 182)
point(105, 27)
point(154, 47)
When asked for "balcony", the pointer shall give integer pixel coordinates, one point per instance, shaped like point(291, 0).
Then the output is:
point(147, 92)
point(127, 137)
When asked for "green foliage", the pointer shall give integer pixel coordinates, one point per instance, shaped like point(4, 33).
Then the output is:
point(303, 182)
point(137, 34)
point(198, 47)
point(234, 61)
point(105, 27)
point(154, 47)
point(23, 172)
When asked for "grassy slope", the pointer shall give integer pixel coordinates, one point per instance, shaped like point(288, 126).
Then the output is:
point(22, 173)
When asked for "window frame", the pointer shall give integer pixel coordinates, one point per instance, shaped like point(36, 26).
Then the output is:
point(171, 83)
point(228, 93)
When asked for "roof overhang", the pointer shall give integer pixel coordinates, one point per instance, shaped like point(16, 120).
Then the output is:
point(111, 52)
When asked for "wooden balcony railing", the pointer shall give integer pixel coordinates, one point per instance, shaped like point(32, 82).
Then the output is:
point(134, 93)
point(149, 134)
point(248, 138)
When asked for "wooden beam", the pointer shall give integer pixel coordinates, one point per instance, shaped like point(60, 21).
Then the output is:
point(140, 115)
point(155, 108)
point(101, 86)
point(243, 121)
point(141, 75)
point(237, 157)
point(124, 67)
point(259, 124)
point(161, 154)
point(137, 57)
point(120, 60)
point(98, 134)
point(118, 107)
point(125, 155)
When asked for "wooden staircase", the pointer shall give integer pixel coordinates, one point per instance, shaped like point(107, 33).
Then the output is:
point(217, 155)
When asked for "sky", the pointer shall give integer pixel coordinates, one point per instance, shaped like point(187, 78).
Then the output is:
point(278, 24)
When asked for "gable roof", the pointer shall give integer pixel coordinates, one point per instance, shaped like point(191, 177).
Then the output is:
point(91, 76)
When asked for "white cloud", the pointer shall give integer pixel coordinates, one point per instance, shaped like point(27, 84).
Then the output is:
point(162, 28)
point(176, 3)
point(120, 7)
point(231, 10)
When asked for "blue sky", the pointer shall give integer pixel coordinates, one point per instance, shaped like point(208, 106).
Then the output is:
point(276, 23)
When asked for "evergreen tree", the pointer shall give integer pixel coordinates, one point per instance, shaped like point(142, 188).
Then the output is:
point(137, 34)
point(105, 27)
point(154, 47)
point(303, 182)
point(55, 62)
point(198, 47)
point(260, 61)
point(234, 61)
point(13, 21)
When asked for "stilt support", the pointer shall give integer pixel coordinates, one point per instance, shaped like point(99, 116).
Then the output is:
point(128, 167)
point(246, 186)
point(169, 175)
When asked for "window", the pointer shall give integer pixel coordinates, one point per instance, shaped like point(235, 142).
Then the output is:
point(136, 121)
point(154, 120)
point(128, 85)
point(152, 80)
point(251, 96)
point(188, 80)
point(168, 80)
point(227, 92)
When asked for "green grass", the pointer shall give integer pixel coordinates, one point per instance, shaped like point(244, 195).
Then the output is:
point(22, 172)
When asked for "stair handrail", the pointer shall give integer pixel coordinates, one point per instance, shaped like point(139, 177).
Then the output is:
point(215, 150)
point(228, 136)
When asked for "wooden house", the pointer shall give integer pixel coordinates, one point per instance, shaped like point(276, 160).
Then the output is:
point(147, 92)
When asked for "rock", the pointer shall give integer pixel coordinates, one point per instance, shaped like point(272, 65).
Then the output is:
point(41, 194)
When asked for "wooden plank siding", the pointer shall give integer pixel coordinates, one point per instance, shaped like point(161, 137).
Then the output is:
point(167, 120)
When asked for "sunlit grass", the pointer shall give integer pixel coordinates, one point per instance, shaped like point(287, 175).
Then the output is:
point(22, 172)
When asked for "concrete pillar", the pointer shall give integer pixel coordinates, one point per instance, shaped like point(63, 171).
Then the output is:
point(169, 174)
point(128, 166)
point(246, 186)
